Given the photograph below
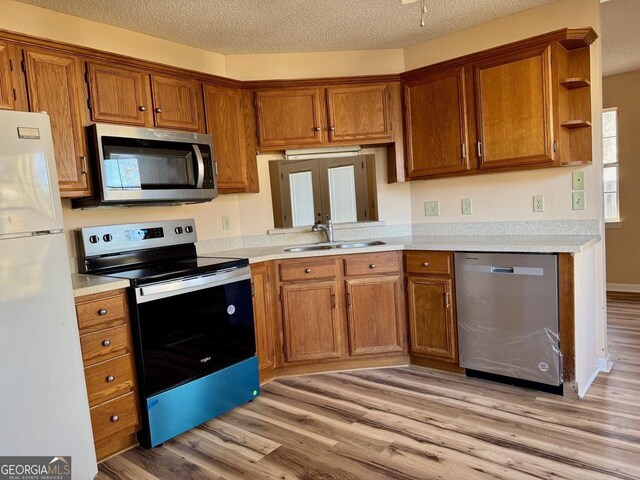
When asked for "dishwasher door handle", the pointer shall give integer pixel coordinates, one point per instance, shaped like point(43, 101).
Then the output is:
point(501, 269)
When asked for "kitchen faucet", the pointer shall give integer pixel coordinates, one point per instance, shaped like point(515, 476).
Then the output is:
point(327, 228)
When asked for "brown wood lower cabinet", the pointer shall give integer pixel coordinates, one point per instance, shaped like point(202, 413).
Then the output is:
point(263, 318)
point(431, 303)
point(105, 338)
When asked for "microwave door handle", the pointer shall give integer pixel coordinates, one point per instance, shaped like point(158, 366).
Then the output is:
point(200, 160)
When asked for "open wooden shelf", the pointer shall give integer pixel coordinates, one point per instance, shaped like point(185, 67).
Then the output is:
point(575, 82)
point(576, 124)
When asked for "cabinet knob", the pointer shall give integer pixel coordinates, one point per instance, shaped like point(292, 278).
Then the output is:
point(373, 265)
point(307, 270)
point(106, 343)
point(158, 110)
point(425, 264)
point(110, 378)
point(332, 128)
point(115, 418)
point(317, 129)
point(142, 108)
point(102, 312)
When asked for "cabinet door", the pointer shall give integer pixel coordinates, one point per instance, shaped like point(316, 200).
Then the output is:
point(436, 124)
point(176, 103)
point(358, 113)
point(311, 321)
point(289, 118)
point(56, 86)
point(262, 315)
point(432, 320)
point(119, 95)
point(514, 110)
point(375, 315)
point(224, 114)
point(7, 99)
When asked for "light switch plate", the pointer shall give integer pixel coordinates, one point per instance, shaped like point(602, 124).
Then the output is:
point(467, 206)
point(538, 203)
point(577, 180)
point(432, 208)
point(226, 222)
point(579, 200)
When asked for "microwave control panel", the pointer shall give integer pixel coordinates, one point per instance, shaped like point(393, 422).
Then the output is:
point(209, 170)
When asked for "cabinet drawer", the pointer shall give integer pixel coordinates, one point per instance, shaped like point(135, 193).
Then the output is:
point(308, 270)
point(113, 416)
point(440, 263)
point(104, 344)
point(371, 264)
point(110, 379)
point(102, 313)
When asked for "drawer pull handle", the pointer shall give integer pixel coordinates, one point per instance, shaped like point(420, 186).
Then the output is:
point(102, 312)
point(425, 264)
point(373, 265)
point(115, 418)
point(106, 343)
point(307, 270)
point(110, 378)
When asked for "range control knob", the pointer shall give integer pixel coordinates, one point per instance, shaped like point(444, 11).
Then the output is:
point(94, 239)
point(188, 229)
point(107, 237)
point(178, 230)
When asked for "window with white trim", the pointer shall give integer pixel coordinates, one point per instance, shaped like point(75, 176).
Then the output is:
point(610, 164)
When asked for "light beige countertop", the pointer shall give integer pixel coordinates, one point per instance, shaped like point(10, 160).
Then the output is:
point(90, 284)
point(460, 243)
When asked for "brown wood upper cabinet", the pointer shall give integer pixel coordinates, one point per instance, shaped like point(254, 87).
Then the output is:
point(12, 91)
point(514, 110)
point(358, 113)
point(236, 164)
point(55, 84)
point(291, 117)
point(436, 124)
point(131, 97)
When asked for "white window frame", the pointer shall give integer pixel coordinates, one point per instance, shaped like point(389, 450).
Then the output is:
point(612, 221)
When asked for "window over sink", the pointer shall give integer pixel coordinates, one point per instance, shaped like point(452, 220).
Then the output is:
point(305, 191)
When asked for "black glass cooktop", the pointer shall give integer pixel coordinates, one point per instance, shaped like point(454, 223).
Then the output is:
point(175, 268)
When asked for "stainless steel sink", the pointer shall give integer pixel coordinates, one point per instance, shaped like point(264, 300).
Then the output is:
point(308, 248)
point(329, 246)
point(360, 244)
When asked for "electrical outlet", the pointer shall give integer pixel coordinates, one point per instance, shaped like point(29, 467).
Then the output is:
point(538, 203)
point(579, 200)
point(226, 222)
point(467, 206)
point(577, 180)
point(432, 208)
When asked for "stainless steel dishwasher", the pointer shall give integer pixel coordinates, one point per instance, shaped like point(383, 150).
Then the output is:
point(507, 308)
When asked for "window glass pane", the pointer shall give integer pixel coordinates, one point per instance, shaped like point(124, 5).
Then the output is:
point(609, 150)
point(342, 194)
point(302, 209)
point(609, 123)
point(610, 177)
point(611, 206)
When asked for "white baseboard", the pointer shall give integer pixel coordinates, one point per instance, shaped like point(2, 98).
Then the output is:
point(623, 287)
point(604, 365)
point(582, 389)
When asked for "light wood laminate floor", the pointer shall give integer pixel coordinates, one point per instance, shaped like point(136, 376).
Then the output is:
point(410, 423)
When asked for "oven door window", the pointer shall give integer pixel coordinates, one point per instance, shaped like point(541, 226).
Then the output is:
point(191, 335)
point(141, 165)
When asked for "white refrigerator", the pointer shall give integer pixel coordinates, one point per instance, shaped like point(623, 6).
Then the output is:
point(43, 401)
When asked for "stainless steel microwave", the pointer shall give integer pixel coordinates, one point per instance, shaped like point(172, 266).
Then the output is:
point(146, 166)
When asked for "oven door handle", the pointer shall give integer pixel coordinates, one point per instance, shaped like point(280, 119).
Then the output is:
point(157, 291)
point(200, 161)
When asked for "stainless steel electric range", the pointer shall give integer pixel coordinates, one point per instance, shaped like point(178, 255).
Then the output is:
point(192, 322)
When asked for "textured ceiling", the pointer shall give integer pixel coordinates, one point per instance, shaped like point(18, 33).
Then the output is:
point(284, 26)
point(620, 36)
